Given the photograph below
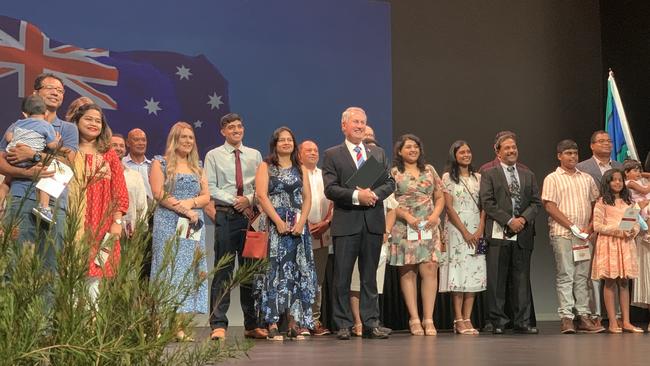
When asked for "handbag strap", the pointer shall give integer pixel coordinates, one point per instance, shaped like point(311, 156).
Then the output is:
point(460, 179)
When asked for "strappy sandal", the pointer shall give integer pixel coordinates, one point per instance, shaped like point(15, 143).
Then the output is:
point(468, 322)
point(465, 331)
point(416, 327)
point(274, 335)
point(429, 328)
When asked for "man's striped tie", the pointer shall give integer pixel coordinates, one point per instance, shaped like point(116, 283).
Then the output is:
point(360, 159)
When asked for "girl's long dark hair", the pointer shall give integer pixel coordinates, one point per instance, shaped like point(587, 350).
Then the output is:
point(452, 167)
point(606, 191)
point(397, 158)
point(272, 158)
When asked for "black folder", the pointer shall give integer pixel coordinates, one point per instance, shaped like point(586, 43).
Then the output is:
point(367, 174)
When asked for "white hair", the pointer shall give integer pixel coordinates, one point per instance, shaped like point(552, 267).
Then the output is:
point(348, 112)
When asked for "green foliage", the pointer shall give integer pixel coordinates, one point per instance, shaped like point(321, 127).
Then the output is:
point(48, 318)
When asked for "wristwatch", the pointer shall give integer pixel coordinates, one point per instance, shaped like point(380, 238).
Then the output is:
point(118, 221)
point(37, 158)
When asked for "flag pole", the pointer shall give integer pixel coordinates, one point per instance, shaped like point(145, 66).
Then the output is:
point(631, 148)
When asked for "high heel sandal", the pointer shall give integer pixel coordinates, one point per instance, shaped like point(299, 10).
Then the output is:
point(458, 323)
point(429, 328)
point(468, 322)
point(416, 327)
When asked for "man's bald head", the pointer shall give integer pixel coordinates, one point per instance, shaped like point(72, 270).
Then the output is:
point(136, 141)
point(309, 154)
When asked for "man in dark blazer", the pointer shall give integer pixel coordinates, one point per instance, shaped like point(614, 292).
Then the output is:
point(600, 161)
point(358, 223)
point(596, 165)
point(510, 197)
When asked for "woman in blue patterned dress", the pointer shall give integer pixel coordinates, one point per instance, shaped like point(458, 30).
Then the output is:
point(283, 193)
point(181, 189)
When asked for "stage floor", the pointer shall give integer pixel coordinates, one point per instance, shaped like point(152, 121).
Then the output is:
point(547, 348)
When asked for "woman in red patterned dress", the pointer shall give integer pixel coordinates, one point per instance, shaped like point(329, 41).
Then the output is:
point(100, 193)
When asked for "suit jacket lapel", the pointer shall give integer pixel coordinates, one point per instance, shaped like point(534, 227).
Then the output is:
point(347, 157)
point(502, 176)
point(523, 181)
point(596, 168)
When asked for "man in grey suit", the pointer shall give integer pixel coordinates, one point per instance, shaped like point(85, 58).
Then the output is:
point(358, 223)
point(596, 166)
point(510, 197)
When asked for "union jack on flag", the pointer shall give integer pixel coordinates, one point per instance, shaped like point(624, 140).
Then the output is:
point(31, 53)
point(150, 90)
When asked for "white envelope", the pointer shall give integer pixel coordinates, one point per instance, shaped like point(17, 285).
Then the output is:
point(412, 234)
point(497, 233)
point(57, 183)
point(185, 231)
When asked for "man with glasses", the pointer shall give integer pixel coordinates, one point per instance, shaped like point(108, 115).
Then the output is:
point(22, 193)
point(596, 166)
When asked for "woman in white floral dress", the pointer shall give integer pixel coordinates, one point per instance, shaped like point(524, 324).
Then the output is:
point(463, 272)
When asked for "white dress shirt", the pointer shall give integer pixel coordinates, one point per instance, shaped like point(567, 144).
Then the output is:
point(351, 147)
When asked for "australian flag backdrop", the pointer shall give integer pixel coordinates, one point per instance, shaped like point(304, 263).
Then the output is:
point(150, 90)
point(150, 64)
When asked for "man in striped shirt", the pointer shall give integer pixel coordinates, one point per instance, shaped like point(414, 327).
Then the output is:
point(568, 195)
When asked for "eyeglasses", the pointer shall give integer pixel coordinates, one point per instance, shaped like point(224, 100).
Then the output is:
point(603, 141)
point(52, 87)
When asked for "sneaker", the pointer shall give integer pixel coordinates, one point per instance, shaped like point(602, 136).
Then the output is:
point(45, 213)
point(586, 325)
point(566, 326)
point(304, 332)
point(320, 330)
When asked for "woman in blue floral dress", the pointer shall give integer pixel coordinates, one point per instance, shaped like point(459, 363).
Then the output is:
point(290, 282)
point(181, 188)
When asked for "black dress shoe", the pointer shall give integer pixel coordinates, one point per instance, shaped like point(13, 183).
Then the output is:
point(374, 333)
point(343, 334)
point(498, 331)
point(488, 328)
point(526, 330)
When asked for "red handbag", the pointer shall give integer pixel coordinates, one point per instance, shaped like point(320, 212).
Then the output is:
point(256, 245)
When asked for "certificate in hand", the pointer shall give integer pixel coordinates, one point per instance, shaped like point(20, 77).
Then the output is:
point(629, 218)
point(367, 174)
point(55, 185)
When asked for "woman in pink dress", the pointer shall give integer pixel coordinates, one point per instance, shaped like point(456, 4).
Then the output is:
point(99, 193)
point(615, 260)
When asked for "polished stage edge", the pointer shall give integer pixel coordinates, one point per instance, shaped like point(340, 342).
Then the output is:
point(549, 347)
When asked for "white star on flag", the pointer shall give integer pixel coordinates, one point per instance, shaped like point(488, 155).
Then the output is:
point(198, 124)
point(183, 72)
point(215, 101)
point(152, 106)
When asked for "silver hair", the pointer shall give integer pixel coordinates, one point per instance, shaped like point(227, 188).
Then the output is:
point(348, 112)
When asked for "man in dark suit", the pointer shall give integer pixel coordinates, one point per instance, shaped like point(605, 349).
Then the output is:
point(510, 197)
point(358, 223)
point(596, 166)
